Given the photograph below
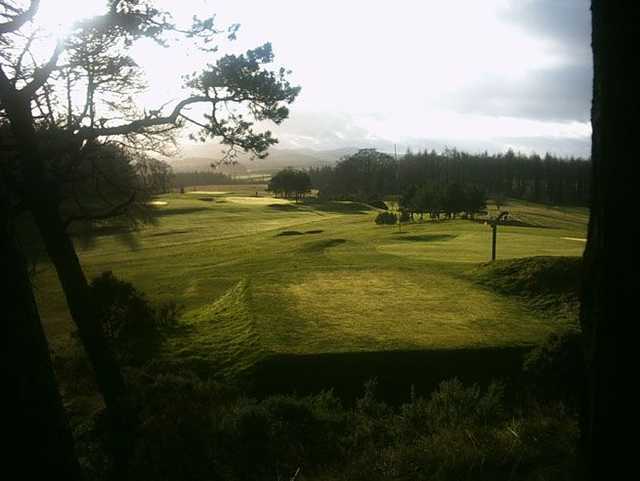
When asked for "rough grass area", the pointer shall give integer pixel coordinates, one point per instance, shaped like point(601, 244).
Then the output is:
point(533, 276)
point(217, 340)
point(550, 285)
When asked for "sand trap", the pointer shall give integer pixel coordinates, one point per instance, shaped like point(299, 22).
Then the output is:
point(207, 192)
point(257, 200)
point(578, 239)
point(158, 202)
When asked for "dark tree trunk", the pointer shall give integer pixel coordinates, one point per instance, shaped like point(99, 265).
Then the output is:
point(62, 254)
point(41, 196)
point(38, 440)
point(610, 284)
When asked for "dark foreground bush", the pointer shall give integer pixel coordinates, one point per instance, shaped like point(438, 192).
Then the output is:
point(555, 368)
point(191, 429)
point(386, 218)
point(132, 324)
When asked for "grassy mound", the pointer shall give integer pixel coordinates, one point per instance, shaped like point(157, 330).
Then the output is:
point(549, 284)
point(217, 340)
point(531, 276)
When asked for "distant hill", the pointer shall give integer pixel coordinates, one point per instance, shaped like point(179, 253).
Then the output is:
point(200, 157)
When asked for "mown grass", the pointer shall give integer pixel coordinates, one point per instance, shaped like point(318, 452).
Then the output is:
point(250, 291)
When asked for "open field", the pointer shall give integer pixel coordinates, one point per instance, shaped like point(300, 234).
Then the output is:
point(260, 277)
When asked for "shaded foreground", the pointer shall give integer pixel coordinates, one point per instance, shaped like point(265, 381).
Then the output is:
point(398, 373)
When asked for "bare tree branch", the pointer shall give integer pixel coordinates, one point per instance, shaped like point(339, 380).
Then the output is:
point(25, 50)
point(116, 210)
point(6, 88)
point(41, 75)
point(140, 125)
point(20, 18)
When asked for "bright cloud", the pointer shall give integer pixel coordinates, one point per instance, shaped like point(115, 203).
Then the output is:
point(456, 70)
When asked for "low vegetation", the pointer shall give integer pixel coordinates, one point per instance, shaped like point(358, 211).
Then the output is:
point(388, 218)
point(197, 429)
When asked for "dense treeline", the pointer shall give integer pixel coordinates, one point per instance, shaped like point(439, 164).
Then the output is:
point(290, 183)
point(187, 179)
point(365, 175)
point(371, 174)
point(440, 199)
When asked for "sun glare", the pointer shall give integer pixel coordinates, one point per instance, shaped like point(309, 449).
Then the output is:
point(437, 55)
point(58, 17)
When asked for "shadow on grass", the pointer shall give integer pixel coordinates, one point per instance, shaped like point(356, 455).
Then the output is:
point(321, 245)
point(168, 232)
point(338, 207)
point(296, 232)
point(177, 211)
point(283, 207)
point(395, 371)
point(107, 230)
point(427, 237)
point(512, 223)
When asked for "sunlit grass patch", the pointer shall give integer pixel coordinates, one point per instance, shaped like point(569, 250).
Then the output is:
point(346, 310)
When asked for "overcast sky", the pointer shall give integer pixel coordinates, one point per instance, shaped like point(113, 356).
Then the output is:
point(478, 75)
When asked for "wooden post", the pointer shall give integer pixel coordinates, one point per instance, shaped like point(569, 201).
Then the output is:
point(494, 229)
point(494, 233)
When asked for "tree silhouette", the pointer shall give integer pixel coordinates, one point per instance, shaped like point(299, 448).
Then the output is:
point(48, 135)
point(290, 182)
point(609, 291)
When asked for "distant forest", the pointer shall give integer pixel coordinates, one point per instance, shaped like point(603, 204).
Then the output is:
point(370, 174)
point(186, 179)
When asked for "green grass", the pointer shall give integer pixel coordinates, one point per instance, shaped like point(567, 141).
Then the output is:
point(343, 284)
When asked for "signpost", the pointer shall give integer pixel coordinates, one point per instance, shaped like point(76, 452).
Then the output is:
point(494, 228)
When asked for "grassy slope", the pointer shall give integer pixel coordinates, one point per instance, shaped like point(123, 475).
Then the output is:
point(348, 285)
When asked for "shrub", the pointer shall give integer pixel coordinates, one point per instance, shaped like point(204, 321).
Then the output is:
point(388, 218)
point(378, 204)
point(130, 322)
point(192, 429)
point(556, 367)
